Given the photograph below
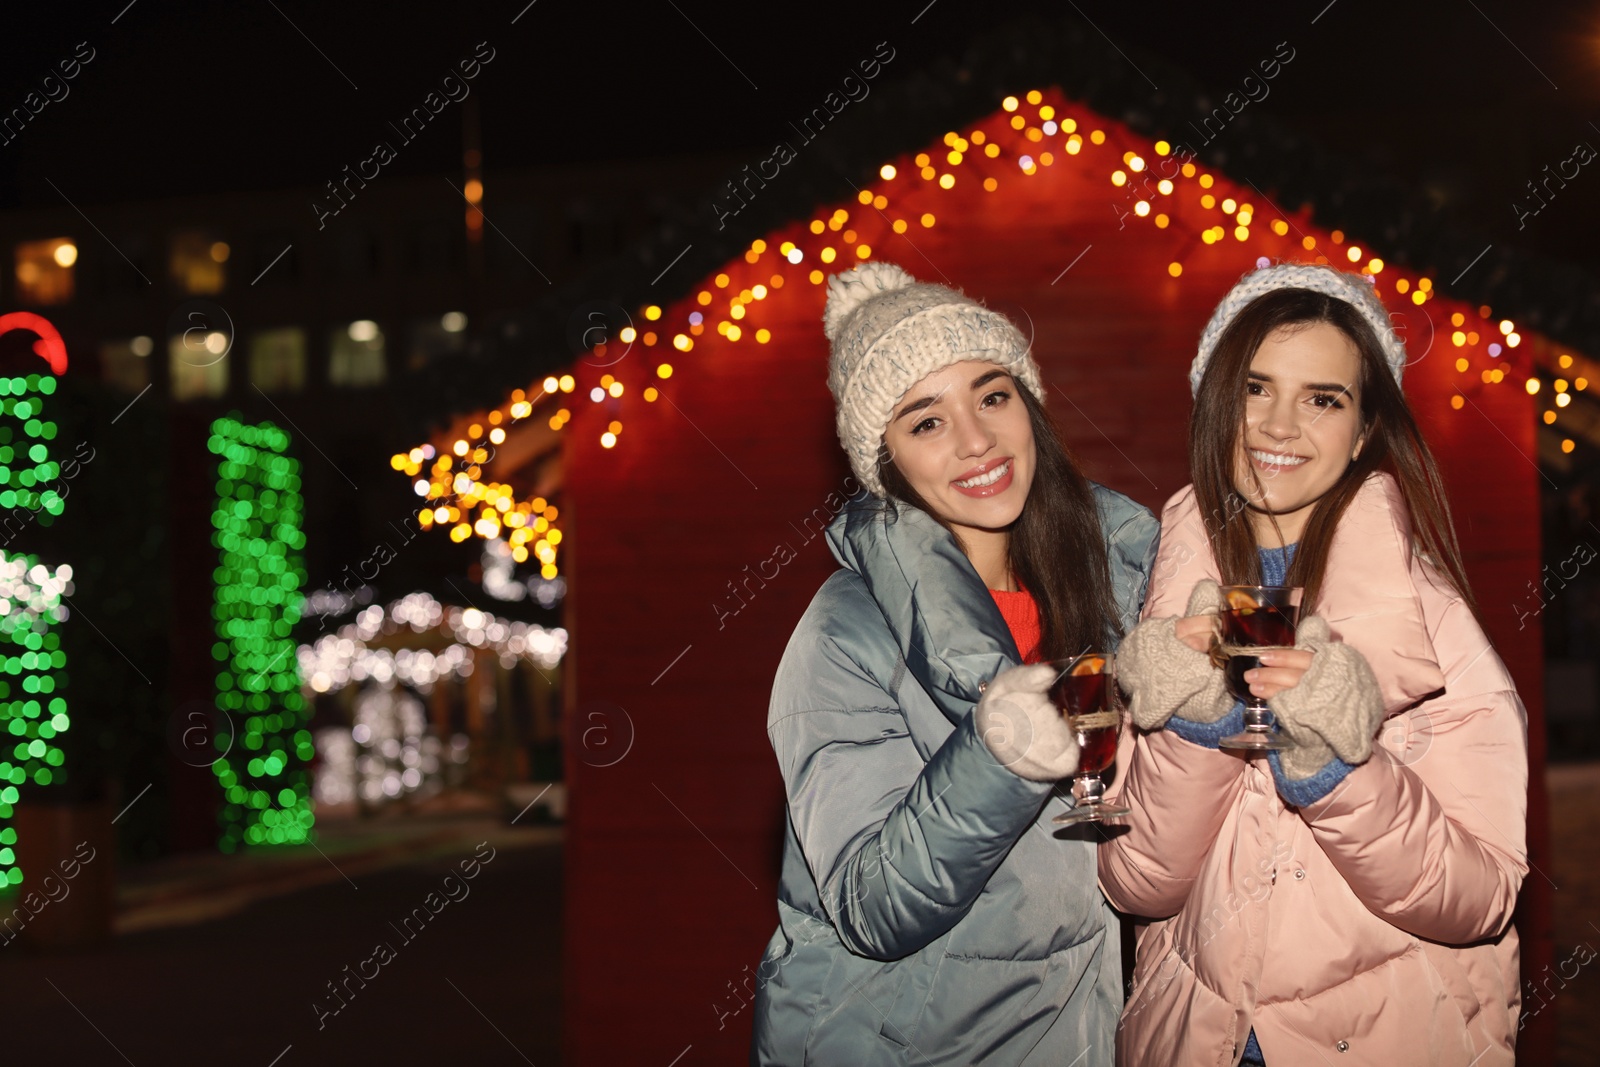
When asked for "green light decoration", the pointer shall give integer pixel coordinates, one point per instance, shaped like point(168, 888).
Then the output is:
point(32, 713)
point(266, 788)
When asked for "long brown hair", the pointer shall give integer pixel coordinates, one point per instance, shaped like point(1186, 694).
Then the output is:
point(1391, 442)
point(1056, 549)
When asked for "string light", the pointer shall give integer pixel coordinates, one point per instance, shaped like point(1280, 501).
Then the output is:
point(1025, 134)
point(257, 599)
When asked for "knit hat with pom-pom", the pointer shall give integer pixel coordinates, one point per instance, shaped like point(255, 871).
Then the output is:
point(1354, 289)
point(889, 331)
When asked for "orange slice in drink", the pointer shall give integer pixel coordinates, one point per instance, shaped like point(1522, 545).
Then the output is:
point(1239, 600)
point(1089, 665)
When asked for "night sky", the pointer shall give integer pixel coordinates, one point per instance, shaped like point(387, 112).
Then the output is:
point(1467, 99)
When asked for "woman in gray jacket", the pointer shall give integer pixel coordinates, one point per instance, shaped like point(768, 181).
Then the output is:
point(927, 913)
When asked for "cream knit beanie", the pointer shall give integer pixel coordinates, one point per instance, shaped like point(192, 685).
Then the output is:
point(889, 331)
point(1354, 289)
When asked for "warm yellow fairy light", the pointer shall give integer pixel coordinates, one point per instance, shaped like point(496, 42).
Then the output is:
point(927, 220)
point(1549, 417)
point(681, 342)
point(664, 371)
point(567, 383)
point(1567, 445)
point(650, 395)
point(1009, 103)
point(1462, 364)
point(1532, 386)
point(887, 172)
point(1563, 399)
point(763, 336)
point(1175, 269)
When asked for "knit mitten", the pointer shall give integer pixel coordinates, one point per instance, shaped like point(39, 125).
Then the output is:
point(1023, 729)
point(1165, 676)
point(1334, 710)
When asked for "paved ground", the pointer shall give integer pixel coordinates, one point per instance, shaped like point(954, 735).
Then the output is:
point(228, 959)
point(1575, 831)
point(237, 981)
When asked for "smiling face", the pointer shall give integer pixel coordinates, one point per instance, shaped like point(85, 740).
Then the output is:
point(963, 440)
point(1302, 426)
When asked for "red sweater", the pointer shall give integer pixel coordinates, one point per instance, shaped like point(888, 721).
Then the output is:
point(1022, 619)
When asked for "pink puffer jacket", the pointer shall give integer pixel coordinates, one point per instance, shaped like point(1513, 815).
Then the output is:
point(1372, 927)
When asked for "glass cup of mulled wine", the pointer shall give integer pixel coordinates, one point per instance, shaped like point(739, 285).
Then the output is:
point(1255, 619)
point(1085, 692)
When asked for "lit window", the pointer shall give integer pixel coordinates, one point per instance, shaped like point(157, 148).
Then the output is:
point(126, 364)
point(44, 271)
point(198, 263)
point(355, 354)
point(278, 360)
point(199, 364)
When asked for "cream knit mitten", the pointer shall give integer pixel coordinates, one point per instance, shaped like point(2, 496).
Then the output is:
point(1023, 729)
point(1166, 677)
point(1334, 710)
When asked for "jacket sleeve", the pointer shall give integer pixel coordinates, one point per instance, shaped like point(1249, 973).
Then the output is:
point(1179, 794)
point(899, 848)
point(1434, 842)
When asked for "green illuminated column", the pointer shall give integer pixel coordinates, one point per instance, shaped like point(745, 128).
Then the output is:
point(258, 581)
point(32, 714)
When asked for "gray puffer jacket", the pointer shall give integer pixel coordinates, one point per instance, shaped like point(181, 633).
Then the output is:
point(927, 914)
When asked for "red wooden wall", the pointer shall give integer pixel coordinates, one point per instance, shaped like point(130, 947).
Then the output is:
point(673, 848)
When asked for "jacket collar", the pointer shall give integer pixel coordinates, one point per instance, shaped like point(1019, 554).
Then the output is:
point(1369, 596)
point(941, 614)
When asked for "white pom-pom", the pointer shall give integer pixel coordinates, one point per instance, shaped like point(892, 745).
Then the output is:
point(850, 290)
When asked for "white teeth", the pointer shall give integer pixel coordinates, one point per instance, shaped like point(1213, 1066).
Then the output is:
point(988, 477)
point(1276, 459)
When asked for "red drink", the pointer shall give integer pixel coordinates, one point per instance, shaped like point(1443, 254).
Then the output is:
point(1084, 692)
point(1082, 699)
point(1267, 626)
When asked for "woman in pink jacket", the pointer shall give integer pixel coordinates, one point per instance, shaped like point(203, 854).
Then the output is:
point(1348, 900)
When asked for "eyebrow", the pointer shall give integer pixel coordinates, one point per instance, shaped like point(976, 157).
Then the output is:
point(977, 383)
point(1320, 387)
